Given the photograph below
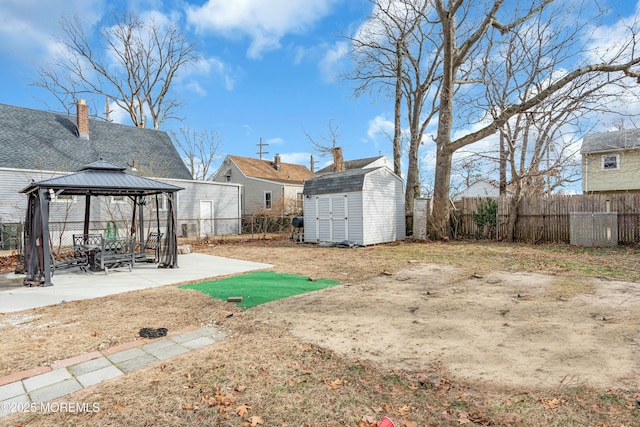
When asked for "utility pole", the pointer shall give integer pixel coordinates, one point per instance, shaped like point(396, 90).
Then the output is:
point(261, 144)
point(313, 165)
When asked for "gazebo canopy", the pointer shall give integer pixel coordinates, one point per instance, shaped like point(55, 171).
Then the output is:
point(103, 179)
point(96, 179)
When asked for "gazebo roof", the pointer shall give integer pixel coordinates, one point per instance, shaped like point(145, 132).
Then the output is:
point(101, 179)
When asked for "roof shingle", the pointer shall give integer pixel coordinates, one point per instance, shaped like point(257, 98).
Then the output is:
point(265, 169)
point(611, 141)
point(41, 140)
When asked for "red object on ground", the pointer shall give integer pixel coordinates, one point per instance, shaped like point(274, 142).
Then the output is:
point(386, 422)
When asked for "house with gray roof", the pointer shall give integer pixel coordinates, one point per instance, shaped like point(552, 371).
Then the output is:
point(365, 163)
point(363, 206)
point(37, 145)
point(611, 162)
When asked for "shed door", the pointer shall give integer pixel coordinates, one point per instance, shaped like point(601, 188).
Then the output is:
point(206, 218)
point(332, 218)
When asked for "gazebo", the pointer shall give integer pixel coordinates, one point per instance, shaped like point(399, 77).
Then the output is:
point(99, 178)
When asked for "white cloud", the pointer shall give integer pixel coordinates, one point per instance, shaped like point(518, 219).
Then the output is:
point(331, 63)
point(28, 27)
point(265, 22)
point(296, 158)
point(275, 141)
point(380, 127)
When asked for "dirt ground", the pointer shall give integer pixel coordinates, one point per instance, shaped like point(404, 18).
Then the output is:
point(504, 317)
point(505, 329)
point(515, 329)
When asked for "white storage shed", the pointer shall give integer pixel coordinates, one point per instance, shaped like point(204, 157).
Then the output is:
point(363, 206)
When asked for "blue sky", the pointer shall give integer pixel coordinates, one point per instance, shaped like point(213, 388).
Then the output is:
point(269, 69)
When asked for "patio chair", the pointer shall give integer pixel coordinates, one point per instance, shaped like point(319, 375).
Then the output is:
point(82, 254)
point(116, 253)
point(151, 250)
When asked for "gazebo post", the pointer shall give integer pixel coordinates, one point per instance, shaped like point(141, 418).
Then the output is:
point(87, 213)
point(141, 223)
point(43, 194)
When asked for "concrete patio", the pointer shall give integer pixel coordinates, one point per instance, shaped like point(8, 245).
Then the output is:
point(74, 284)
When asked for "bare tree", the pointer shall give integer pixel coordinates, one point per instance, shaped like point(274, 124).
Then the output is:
point(539, 146)
point(328, 145)
point(391, 55)
point(132, 62)
point(198, 149)
point(465, 29)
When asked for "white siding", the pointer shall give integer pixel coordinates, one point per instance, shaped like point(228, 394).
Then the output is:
point(226, 199)
point(310, 215)
point(356, 229)
point(383, 207)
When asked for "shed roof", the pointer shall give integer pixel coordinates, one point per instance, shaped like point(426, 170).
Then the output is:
point(100, 179)
point(338, 182)
point(42, 140)
point(265, 169)
point(611, 141)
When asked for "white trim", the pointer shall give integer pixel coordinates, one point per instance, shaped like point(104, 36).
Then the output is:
point(602, 162)
point(264, 200)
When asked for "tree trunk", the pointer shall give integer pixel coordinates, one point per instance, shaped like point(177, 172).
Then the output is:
point(513, 213)
point(397, 119)
point(503, 166)
point(439, 226)
point(412, 175)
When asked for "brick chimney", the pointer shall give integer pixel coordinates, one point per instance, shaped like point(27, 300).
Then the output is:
point(276, 162)
point(338, 162)
point(82, 120)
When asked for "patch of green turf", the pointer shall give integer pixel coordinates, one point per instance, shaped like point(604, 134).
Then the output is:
point(260, 287)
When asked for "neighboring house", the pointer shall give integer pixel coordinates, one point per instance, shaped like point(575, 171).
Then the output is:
point(268, 186)
point(36, 145)
point(365, 206)
point(611, 162)
point(367, 163)
point(480, 188)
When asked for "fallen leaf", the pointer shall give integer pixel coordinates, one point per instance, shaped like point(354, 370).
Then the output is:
point(404, 410)
point(368, 419)
point(154, 380)
point(408, 423)
point(463, 418)
point(188, 407)
point(552, 404)
point(242, 409)
point(240, 388)
point(94, 334)
point(337, 383)
point(255, 420)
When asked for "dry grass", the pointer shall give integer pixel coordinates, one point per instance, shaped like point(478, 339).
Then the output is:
point(285, 382)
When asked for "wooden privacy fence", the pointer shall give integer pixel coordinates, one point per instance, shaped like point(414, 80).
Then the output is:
point(545, 219)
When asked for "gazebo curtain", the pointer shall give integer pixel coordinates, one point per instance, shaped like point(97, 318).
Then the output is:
point(37, 254)
point(169, 252)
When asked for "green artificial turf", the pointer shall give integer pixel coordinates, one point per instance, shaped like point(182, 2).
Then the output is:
point(260, 287)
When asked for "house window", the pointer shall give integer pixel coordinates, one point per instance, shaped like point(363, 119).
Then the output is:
point(228, 178)
point(65, 198)
point(118, 199)
point(267, 200)
point(299, 201)
point(162, 204)
point(611, 162)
